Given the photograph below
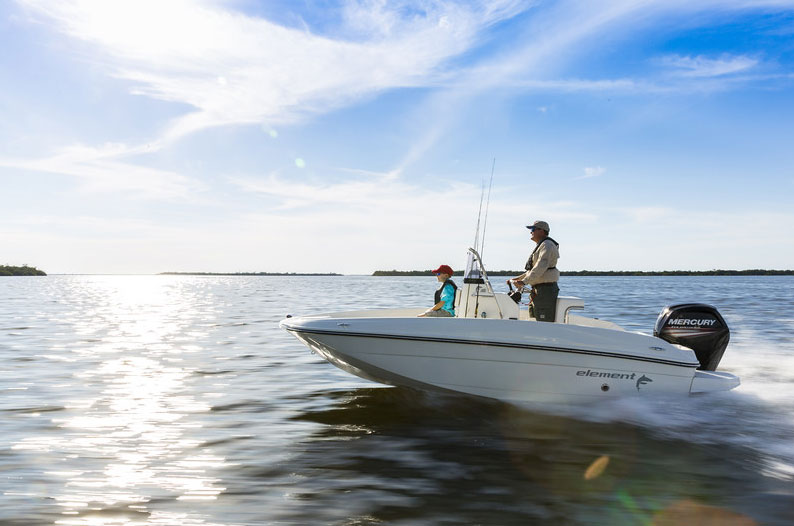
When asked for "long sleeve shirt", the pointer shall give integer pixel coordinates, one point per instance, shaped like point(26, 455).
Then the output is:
point(544, 263)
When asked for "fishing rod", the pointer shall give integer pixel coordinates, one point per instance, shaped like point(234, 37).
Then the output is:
point(487, 204)
point(485, 224)
point(479, 213)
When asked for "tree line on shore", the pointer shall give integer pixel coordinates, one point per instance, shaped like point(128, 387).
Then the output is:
point(716, 272)
point(24, 270)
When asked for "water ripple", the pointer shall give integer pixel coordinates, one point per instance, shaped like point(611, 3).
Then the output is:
point(161, 400)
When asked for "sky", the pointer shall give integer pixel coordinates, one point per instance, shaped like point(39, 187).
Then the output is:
point(356, 135)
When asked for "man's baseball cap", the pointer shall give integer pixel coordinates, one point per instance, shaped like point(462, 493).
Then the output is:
point(444, 269)
point(539, 224)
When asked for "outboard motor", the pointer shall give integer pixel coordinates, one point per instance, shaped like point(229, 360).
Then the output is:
point(697, 326)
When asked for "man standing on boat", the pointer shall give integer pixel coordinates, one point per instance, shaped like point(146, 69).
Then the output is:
point(541, 273)
point(445, 295)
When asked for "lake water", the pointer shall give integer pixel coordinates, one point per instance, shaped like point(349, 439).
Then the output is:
point(177, 400)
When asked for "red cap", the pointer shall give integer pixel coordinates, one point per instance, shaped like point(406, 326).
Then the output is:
point(444, 269)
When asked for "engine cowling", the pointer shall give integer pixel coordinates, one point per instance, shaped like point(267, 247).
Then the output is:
point(697, 326)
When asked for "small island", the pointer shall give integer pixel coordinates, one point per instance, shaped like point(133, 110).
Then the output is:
point(24, 270)
point(751, 272)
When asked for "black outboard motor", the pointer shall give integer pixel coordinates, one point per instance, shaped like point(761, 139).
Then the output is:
point(697, 326)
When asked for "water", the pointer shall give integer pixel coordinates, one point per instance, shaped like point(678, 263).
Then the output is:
point(177, 400)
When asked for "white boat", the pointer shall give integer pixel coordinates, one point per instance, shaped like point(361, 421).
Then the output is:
point(493, 349)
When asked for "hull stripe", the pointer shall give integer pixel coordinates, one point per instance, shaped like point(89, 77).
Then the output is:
point(691, 365)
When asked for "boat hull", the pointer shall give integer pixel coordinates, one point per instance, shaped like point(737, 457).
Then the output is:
point(504, 359)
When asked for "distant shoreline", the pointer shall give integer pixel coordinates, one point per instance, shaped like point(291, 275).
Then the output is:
point(249, 274)
point(8, 270)
point(752, 272)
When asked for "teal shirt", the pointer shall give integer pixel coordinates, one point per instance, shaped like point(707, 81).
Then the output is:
point(448, 297)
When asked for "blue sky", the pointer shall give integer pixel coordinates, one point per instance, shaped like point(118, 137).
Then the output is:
point(350, 136)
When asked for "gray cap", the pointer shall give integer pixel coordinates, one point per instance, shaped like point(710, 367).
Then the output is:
point(539, 224)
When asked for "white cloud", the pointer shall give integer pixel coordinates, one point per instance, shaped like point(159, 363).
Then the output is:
point(592, 171)
point(646, 214)
point(702, 66)
point(100, 170)
point(388, 223)
point(236, 69)
point(579, 85)
point(677, 81)
point(239, 69)
point(378, 193)
point(179, 51)
point(93, 226)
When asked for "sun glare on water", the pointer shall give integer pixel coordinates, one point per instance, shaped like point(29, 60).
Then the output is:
point(129, 432)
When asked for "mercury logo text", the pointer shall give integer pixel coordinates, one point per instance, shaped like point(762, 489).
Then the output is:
point(690, 321)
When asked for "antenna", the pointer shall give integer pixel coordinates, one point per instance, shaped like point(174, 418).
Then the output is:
point(487, 202)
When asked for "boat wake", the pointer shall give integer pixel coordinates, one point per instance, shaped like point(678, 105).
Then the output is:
point(759, 415)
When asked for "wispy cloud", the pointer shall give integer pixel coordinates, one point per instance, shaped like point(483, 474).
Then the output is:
point(103, 170)
point(592, 171)
point(578, 85)
point(239, 69)
point(379, 217)
point(233, 69)
point(236, 69)
point(387, 197)
point(654, 214)
point(702, 66)
point(377, 193)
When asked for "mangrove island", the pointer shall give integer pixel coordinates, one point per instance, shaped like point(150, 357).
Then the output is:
point(24, 270)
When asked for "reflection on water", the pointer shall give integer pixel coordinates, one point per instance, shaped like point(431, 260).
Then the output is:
point(177, 400)
point(124, 433)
